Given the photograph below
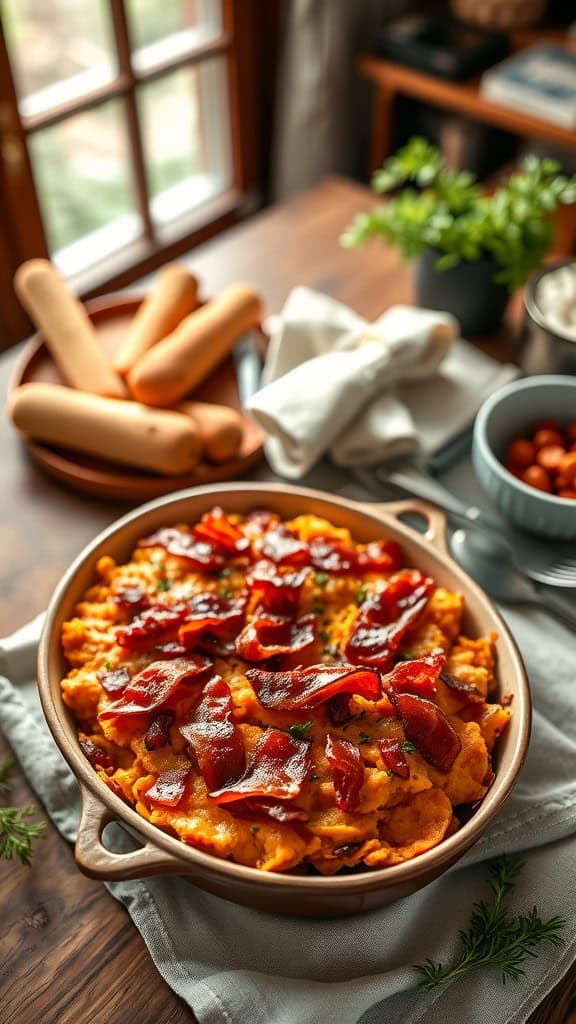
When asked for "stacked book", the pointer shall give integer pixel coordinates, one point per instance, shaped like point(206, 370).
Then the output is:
point(540, 80)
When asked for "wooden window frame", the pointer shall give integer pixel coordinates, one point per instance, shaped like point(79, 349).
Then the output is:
point(245, 50)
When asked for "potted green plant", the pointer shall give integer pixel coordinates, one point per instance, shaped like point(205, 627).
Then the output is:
point(473, 249)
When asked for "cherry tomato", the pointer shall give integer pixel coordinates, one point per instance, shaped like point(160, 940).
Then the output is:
point(568, 468)
point(567, 492)
point(537, 477)
point(550, 456)
point(547, 437)
point(521, 452)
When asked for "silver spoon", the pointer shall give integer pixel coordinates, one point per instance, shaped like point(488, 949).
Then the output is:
point(488, 559)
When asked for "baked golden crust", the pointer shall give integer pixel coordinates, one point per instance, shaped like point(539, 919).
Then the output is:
point(315, 821)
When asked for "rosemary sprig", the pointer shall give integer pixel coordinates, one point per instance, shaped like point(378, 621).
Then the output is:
point(493, 937)
point(5, 772)
point(16, 832)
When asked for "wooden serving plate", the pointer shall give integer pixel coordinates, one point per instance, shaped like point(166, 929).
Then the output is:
point(111, 315)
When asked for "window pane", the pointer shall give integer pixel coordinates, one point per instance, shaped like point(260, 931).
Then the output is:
point(59, 49)
point(160, 30)
point(185, 127)
point(83, 174)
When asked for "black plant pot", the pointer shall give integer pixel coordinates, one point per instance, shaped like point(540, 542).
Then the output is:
point(468, 291)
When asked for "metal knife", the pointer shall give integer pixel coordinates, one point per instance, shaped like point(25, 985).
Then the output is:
point(248, 365)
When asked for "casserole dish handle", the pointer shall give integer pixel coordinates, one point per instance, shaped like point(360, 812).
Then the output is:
point(434, 518)
point(96, 861)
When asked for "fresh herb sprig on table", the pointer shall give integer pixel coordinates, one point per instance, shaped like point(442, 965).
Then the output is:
point(494, 938)
point(16, 832)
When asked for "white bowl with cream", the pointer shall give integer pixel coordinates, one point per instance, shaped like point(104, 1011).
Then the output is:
point(550, 302)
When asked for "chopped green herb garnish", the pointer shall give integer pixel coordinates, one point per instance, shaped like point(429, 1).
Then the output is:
point(379, 721)
point(313, 777)
point(318, 608)
point(254, 829)
point(361, 594)
point(164, 584)
point(364, 738)
point(226, 593)
point(300, 732)
point(321, 578)
point(107, 665)
point(225, 572)
point(405, 656)
point(324, 635)
point(408, 747)
point(332, 649)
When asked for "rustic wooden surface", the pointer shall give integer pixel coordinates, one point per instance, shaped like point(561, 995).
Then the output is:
point(68, 952)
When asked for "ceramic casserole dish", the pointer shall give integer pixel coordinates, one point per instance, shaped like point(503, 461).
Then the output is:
point(161, 853)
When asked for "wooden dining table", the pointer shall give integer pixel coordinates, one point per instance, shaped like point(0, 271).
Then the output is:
point(69, 953)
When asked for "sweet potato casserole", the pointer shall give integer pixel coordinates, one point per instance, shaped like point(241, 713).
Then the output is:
point(279, 695)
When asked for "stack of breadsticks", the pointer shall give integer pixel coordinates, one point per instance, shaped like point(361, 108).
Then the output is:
point(133, 410)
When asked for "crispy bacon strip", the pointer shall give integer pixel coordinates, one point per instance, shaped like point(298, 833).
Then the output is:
point(170, 650)
point(157, 683)
point(199, 554)
point(283, 546)
point(152, 626)
point(385, 618)
point(400, 594)
point(214, 737)
point(329, 554)
point(392, 754)
point(308, 687)
point(380, 556)
point(278, 593)
point(216, 529)
point(467, 691)
point(131, 597)
point(427, 727)
point(169, 788)
point(211, 613)
point(158, 732)
point(418, 676)
point(347, 771)
point(114, 681)
point(95, 754)
point(258, 520)
point(269, 636)
point(277, 769)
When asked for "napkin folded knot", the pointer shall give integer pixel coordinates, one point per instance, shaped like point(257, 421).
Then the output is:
point(334, 383)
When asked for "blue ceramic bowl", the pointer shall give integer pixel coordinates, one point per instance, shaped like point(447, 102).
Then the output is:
point(509, 413)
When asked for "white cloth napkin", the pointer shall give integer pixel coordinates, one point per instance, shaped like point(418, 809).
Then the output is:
point(365, 392)
point(233, 965)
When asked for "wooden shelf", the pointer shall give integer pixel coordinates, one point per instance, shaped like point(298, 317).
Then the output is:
point(464, 98)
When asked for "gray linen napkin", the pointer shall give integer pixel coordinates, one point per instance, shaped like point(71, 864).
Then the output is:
point(234, 965)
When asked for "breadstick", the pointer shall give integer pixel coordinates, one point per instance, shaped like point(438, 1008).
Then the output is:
point(174, 297)
point(126, 432)
point(220, 429)
point(167, 372)
point(67, 329)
